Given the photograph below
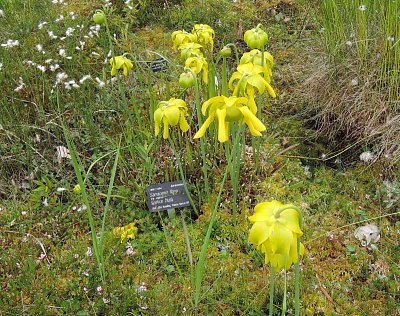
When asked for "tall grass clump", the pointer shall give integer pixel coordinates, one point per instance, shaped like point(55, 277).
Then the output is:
point(357, 81)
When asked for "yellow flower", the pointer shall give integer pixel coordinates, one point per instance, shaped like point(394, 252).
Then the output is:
point(255, 57)
point(227, 110)
point(182, 37)
point(171, 113)
point(120, 62)
point(275, 233)
point(249, 78)
point(204, 35)
point(190, 50)
point(126, 232)
point(256, 38)
point(198, 64)
point(77, 189)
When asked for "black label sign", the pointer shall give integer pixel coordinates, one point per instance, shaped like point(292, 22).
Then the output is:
point(168, 195)
point(158, 65)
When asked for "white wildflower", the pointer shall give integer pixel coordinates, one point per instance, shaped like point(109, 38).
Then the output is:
point(61, 189)
point(106, 301)
point(42, 24)
point(29, 63)
point(89, 252)
point(54, 67)
point(84, 78)
point(62, 53)
point(95, 54)
point(48, 61)
point(322, 30)
point(81, 47)
point(60, 18)
point(60, 77)
point(51, 35)
point(1, 14)
point(1, 66)
point(99, 289)
point(21, 85)
point(41, 68)
point(82, 208)
point(101, 84)
point(23, 213)
point(69, 31)
point(391, 38)
point(367, 156)
point(72, 15)
point(129, 249)
point(10, 43)
point(362, 7)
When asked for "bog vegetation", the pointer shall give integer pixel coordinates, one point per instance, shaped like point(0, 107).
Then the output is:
point(280, 119)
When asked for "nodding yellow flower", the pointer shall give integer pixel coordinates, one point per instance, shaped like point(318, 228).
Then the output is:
point(126, 232)
point(256, 38)
point(275, 233)
point(171, 113)
point(190, 50)
point(120, 62)
point(204, 35)
point(249, 78)
point(227, 110)
point(198, 64)
point(255, 57)
point(181, 37)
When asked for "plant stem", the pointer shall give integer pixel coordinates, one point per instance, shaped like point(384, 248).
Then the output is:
point(271, 291)
point(204, 247)
point(284, 301)
point(182, 174)
point(202, 145)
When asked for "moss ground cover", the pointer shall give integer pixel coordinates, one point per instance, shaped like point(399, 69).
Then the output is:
point(60, 97)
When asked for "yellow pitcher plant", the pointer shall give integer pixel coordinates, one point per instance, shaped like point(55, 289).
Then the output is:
point(121, 62)
point(171, 113)
point(256, 37)
point(249, 77)
point(276, 228)
point(182, 37)
point(190, 50)
point(228, 110)
point(204, 35)
point(198, 64)
point(255, 57)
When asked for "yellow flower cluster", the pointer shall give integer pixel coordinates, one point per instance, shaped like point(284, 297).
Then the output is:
point(253, 73)
point(125, 232)
point(171, 113)
point(275, 231)
point(191, 44)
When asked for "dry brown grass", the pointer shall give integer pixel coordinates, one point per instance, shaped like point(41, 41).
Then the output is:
point(346, 112)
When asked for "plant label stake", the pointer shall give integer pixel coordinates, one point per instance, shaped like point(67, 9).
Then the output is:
point(158, 65)
point(166, 196)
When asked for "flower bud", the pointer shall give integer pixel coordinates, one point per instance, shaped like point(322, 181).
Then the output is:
point(99, 17)
point(186, 80)
point(226, 51)
point(256, 38)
